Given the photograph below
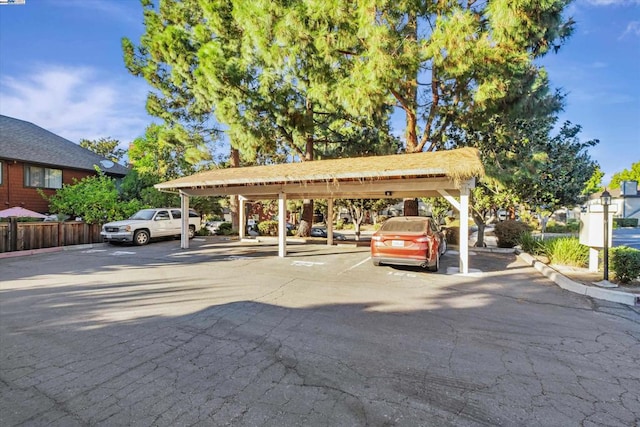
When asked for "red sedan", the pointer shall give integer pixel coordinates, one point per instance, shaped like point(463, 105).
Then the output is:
point(409, 240)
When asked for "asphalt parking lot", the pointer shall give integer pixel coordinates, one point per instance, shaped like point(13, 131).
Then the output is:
point(229, 334)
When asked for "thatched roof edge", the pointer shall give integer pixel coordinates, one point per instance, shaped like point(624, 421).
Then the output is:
point(460, 164)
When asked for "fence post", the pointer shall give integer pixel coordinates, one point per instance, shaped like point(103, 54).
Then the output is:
point(13, 233)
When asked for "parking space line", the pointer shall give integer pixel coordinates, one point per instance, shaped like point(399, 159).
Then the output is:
point(357, 265)
point(306, 263)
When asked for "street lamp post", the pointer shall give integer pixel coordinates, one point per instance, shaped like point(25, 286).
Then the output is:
point(605, 200)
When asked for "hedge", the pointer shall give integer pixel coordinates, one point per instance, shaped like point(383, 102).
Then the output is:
point(625, 263)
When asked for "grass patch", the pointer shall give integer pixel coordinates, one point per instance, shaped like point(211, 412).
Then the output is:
point(567, 251)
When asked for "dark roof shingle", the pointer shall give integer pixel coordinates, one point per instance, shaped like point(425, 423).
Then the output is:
point(26, 142)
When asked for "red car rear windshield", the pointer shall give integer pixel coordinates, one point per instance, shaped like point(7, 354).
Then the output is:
point(406, 225)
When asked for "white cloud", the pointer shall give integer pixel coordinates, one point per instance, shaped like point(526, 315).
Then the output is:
point(76, 103)
point(633, 29)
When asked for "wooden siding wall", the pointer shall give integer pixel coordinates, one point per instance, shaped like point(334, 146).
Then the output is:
point(38, 235)
point(14, 193)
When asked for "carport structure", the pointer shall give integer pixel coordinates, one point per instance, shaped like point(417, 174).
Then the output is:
point(450, 174)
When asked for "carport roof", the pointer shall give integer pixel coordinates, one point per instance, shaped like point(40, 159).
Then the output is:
point(403, 175)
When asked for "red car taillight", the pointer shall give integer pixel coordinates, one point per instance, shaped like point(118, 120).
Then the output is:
point(423, 239)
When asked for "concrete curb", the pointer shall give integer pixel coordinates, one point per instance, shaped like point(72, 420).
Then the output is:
point(50, 250)
point(578, 288)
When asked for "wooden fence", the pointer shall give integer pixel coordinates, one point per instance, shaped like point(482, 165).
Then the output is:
point(21, 236)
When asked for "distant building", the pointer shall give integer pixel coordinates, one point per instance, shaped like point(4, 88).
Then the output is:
point(33, 158)
point(626, 200)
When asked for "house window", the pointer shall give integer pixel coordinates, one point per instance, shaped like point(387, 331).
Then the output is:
point(35, 176)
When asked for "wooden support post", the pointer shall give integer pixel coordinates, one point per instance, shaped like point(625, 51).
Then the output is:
point(282, 225)
point(184, 206)
point(329, 222)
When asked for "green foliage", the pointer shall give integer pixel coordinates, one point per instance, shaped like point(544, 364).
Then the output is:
point(572, 226)
point(167, 151)
point(626, 175)
point(508, 232)
point(528, 218)
point(594, 184)
point(106, 147)
point(625, 263)
point(225, 229)
point(268, 228)
point(563, 168)
point(625, 222)
point(439, 207)
point(94, 199)
point(567, 251)
point(531, 244)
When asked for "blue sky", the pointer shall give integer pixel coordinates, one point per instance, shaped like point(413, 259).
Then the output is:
point(61, 68)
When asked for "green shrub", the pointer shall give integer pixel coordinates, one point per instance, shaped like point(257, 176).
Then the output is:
point(509, 231)
point(566, 251)
point(531, 244)
point(625, 222)
point(225, 229)
point(625, 263)
point(204, 231)
point(572, 226)
point(529, 219)
point(268, 228)
point(452, 234)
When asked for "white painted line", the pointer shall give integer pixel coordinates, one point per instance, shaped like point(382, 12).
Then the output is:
point(119, 253)
point(360, 263)
point(400, 274)
point(90, 251)
point(237, 257)
point(473, 272)
point(355, 266)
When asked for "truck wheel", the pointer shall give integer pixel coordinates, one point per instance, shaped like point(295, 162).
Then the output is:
point(192, 231)
point(141, 237)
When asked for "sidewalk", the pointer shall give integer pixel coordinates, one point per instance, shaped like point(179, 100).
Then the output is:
point(575, 280)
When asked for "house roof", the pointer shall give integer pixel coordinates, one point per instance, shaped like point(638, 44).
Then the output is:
point(361, 177)
point(23, 141)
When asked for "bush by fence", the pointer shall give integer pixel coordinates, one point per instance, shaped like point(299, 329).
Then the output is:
point(20, 236)
point(625, 222)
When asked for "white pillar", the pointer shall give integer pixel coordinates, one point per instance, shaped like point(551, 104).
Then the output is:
point(464, 229)
point(329, 222)
point(593, 259)
point(282, 225)
point(184, 232)
point(242, 220)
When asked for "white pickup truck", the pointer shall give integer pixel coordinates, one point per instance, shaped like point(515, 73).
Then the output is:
point(148, 224)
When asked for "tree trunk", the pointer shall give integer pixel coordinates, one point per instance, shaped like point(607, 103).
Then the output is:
point(234, 203)
point(481, 226)
point(357, 215)
point(410, 207)
point(304, 230)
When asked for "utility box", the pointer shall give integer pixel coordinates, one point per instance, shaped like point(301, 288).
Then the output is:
point(592, 227)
